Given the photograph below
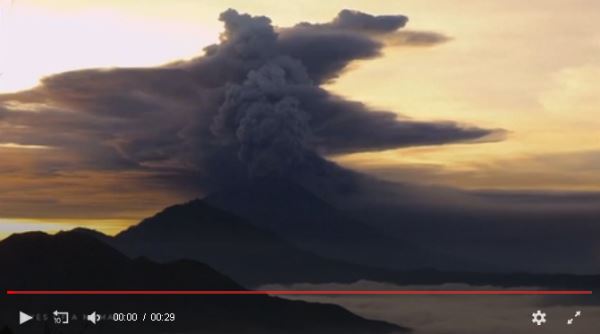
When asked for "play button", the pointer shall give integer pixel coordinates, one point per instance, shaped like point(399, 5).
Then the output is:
point(24, 317)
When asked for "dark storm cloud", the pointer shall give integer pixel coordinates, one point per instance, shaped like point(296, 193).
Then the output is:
point(253, 103)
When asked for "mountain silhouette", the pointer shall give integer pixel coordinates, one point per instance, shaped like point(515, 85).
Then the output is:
point(73, 261)
point(254, 256)
point(302, 218)
point(247, 253)
point(76, 261)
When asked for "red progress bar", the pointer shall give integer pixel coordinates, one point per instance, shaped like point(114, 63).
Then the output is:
point(298, 292)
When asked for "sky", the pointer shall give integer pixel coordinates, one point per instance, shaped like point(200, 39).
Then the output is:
point(528, 68)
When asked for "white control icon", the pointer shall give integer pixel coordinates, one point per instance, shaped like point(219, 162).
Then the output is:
point(572, 320)
point(539, 318)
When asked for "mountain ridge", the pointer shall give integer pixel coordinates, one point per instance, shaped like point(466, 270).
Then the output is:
point(246, 252)
point(308, 221)
point(324, 270)
point(76, 261)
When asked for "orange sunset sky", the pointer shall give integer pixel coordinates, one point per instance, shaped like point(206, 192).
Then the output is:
point(531, 68)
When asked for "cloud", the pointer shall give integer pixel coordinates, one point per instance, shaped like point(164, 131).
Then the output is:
point(265, 120)
point(41, 185)
point(326, 49)
point(416, 38)
point(357, 21)
point(255, 105)
point(497, 231)
point(456, 314)
point(252, 105)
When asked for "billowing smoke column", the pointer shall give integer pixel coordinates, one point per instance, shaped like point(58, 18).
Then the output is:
point(252, 106)
point(271, 128)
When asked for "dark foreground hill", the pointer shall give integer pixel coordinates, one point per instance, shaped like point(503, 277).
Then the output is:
point(75, 261)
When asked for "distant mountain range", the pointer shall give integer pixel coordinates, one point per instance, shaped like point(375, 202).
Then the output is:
point(76, 261)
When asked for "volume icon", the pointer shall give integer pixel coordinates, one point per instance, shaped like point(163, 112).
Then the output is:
point(93, 318)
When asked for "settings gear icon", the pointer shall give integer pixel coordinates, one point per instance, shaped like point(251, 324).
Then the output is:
point(538, 318)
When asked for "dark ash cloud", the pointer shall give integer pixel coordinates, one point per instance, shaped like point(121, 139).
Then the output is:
point(352, 20)
point(326, 49)
point(252, 105)
point(265, 121)
point(416, 38)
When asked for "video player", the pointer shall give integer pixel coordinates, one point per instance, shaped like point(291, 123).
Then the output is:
point(307, 167)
